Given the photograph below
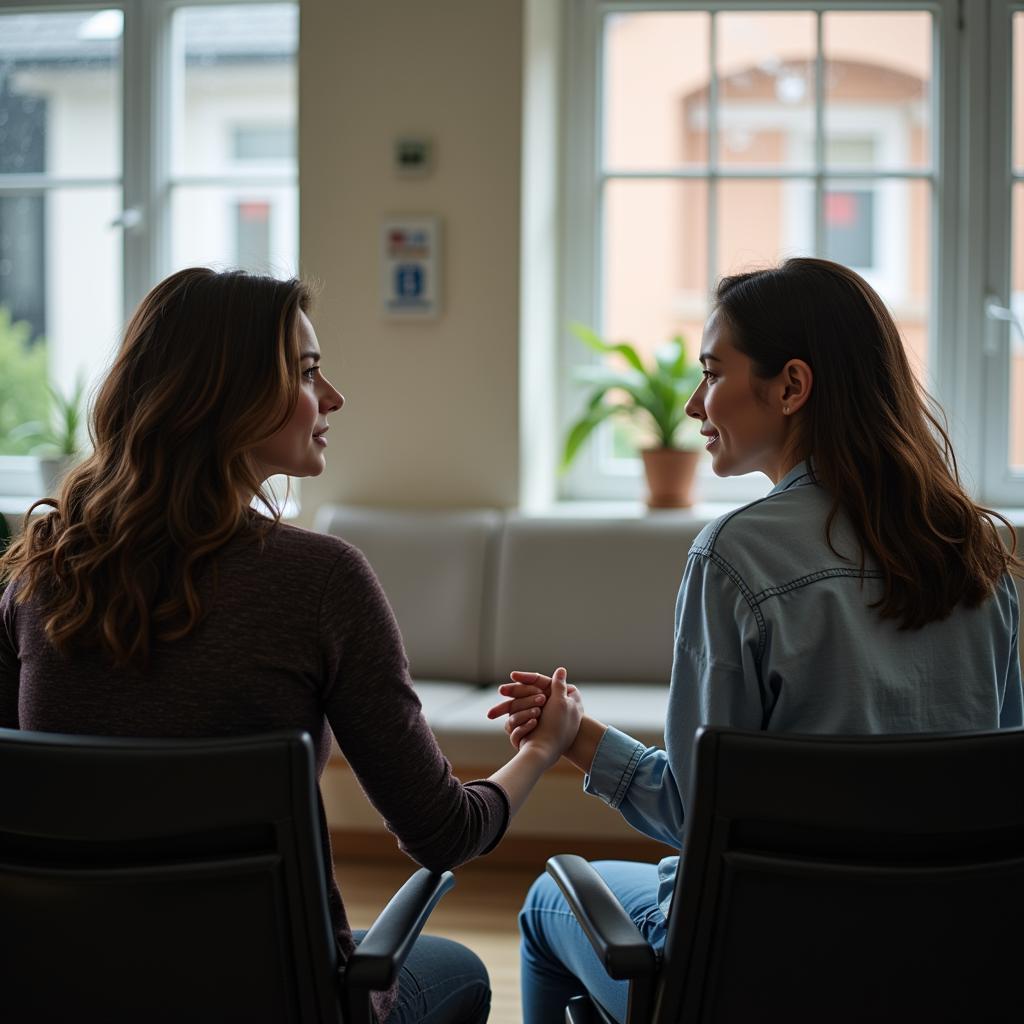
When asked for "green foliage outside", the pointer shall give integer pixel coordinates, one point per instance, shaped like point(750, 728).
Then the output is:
point(25, 396)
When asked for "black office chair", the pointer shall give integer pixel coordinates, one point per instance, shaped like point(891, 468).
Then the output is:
point(831, 879)
point(178, 880)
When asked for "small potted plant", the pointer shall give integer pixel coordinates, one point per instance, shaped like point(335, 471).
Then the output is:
point(654, 396)
point(56, 444)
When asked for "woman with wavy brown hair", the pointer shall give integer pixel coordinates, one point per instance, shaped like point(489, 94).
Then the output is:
point(153, 600)
point(867, 593)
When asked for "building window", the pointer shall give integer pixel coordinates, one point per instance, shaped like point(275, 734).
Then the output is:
point(263, 143)
point(728, 137)
point(134, 139)
point(252, 233)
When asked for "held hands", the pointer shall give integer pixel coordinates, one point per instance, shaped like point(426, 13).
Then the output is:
point(531, 694)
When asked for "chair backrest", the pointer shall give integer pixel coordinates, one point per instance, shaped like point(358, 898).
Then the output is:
point(163, 880)
point(848, 879)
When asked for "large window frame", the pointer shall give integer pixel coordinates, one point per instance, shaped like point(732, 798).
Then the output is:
point(967, 356)
point(992, 294)
point(148, 179)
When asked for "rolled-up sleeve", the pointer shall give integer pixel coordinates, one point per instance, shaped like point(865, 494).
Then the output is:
point(637, 781)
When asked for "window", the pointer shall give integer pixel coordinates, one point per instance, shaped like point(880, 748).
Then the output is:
point(710, 138)
point(61, 187)
point(135, 139)
point(1003, 340)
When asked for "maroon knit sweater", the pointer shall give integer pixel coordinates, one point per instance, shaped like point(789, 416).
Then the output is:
point(298, 635)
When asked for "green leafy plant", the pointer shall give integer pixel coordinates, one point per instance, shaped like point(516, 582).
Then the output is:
point(24, 396)
point(61, 435)
point(652, 395)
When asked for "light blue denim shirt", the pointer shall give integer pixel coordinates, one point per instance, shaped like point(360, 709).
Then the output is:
point(773, 631)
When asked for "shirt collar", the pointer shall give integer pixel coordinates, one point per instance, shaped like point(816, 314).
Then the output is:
point(799, 476)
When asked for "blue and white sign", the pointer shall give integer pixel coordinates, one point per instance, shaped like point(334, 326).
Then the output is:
point(410, 279)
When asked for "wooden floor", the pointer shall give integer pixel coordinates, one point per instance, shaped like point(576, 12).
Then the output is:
point(480, 912)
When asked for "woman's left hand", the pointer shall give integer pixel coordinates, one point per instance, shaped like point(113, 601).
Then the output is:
point(528, 693)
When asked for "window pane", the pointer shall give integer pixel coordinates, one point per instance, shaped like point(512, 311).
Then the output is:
point(882, 229)
point(878, 80)
point(23, 259)
point(655, 282)
point(84, 274)
point(766, 90)
point(1016, 341)
point(60, 84)
point(1018, 91)
point(761, 222)
point(238, 226)
point(850, 226)
point(655, 266)
point(234, 108)
point(65, 320)
point(656, 90)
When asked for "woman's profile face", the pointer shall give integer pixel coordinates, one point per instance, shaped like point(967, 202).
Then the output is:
point(299, 447)
point(744, 430)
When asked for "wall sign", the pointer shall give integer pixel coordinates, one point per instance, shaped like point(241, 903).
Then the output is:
point(410, 267)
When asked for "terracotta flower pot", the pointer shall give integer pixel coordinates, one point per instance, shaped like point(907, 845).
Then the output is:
point(670, 475)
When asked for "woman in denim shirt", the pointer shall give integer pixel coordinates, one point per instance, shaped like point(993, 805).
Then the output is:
point(866, 593)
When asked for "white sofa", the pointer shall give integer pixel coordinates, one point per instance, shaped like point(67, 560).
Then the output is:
point(479, 592)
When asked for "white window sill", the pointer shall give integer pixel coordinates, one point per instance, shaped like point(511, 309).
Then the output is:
point(703, 511)
point(15, 505)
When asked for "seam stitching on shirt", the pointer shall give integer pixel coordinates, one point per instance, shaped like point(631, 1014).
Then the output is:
point(627, 775)
point(735, 512)
point(795, 481)
point(748, 595)
point(814, 577)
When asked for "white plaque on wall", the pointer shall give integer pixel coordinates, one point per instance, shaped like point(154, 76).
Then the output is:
point(410, 267)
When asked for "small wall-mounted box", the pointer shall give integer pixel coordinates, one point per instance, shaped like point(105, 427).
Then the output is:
point(413, 156)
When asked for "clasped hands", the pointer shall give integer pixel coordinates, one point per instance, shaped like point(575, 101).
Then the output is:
point(543, 711)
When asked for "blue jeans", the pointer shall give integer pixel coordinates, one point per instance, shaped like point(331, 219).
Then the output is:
point(557, 961)
point(441, 982)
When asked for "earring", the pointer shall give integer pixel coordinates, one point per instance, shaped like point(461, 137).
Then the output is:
point(785, 410)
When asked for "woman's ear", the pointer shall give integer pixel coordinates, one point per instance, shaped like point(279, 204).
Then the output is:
point(797, 379)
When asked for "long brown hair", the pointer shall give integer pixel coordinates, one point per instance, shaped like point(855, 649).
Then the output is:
point(206, 371)
point(876, 440)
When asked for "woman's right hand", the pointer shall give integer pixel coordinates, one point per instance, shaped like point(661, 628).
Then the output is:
point(556, 729)
point(529, 693)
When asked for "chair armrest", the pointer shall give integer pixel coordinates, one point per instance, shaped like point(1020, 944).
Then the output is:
point(617, 941)
point(378, 958)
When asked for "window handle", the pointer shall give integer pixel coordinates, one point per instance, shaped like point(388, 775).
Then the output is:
point(128, 219)
point(996, 313)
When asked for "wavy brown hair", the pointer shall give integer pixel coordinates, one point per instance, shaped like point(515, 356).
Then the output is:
point(877, 442)
point(206, 371)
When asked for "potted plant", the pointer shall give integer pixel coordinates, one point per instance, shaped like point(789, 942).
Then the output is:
point(653, 395)
point(56, 444)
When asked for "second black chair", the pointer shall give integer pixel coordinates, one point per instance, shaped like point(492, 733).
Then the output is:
point(830, 879)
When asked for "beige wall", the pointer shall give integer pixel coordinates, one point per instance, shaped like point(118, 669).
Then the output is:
point(431, 408)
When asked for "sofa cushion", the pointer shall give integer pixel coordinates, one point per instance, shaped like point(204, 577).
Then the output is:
point(468, 737)
point(594, 595)
point(436, 569)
